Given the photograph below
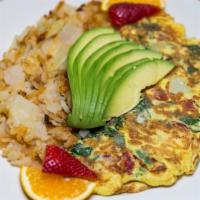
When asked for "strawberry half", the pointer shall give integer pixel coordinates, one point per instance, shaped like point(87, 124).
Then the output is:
point(58, 161)
point(126, 13)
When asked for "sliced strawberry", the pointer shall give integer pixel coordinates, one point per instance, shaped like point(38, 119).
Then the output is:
point(58, 161)
point(126, 13)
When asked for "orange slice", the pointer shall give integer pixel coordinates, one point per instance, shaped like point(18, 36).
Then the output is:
point(42, 186)
point(107, 3)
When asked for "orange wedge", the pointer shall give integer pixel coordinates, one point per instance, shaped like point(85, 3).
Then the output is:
point(42, 186)
point(107, 3)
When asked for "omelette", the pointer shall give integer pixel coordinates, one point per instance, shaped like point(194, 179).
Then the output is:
point(158, 141)
point(152, 145)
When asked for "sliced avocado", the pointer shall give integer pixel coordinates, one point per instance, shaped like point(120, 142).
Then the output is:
point(106, 76)
point(89, 66)
point(93, 58)
point(99, 55)
point(127, 94)
point(92, 47)
point(109, 70)
point(98, 65)
point(87, 51)
point(79, 61)
point(89, 63)
point(131, 56)
point(111, 84)
point(108, 56)
point(81, 42)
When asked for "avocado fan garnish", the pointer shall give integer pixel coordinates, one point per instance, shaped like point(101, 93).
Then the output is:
point(107, 74)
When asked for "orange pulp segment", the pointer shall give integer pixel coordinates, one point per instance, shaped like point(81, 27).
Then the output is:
point(43, 186)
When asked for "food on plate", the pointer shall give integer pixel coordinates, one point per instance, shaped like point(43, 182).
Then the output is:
point(154, 144)
point(121, 79)
point(39, 185)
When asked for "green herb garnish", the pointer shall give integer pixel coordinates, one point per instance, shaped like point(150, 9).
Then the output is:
point(140, 172)
point(117, 122)
point(92, 133)
point(142, 109)
point(194, 48)
point(191, 69)
point(188, 120)
point(143, 105)
point(143, 156)
point(192, 123)
point(79, 149)
point(117, 137)
point(110, 131)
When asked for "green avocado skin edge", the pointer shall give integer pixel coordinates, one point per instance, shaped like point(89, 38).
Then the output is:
point(107, 74)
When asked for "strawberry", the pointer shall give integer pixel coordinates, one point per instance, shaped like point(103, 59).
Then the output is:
point(126, 13)
point(58, 161)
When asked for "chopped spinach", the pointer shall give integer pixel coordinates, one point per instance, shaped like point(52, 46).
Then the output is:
point(192, 123)
point(117, 122)
point(188, 120)
point(90, 134)
point(143, 156)
point(194, 48)
point(110, 131)
point(142, 110)
point(140, 172)
point(191, 69)
point(95, 132)
point(143, 105)
point(117, 137)
point(79, 149)
point(119, 140)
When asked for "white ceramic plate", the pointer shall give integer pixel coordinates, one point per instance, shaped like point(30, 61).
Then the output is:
point(15, 15)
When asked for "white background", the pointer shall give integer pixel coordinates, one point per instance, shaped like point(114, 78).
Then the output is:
point(15, 15)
